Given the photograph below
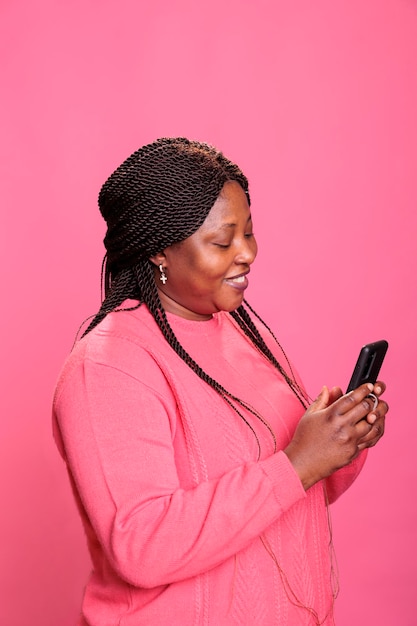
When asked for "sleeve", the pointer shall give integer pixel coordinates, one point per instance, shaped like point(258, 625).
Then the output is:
point(116, 434)
point(341, 480)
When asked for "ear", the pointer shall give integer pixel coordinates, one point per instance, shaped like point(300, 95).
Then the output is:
point(158, 259)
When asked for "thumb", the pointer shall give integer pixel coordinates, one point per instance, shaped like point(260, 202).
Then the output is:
point(322, 400)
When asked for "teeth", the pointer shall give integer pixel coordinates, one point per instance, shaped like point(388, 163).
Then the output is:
point(239, 279)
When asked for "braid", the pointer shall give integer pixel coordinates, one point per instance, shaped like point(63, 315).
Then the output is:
point(123, 287)
point(158, 196)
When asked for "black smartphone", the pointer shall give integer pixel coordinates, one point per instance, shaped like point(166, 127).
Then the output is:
point(368, 364)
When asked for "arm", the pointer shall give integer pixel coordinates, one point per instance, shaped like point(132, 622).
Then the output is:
point(117, 438)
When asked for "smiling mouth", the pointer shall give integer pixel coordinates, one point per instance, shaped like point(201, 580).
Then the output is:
point(239, 282)
point(238, 279)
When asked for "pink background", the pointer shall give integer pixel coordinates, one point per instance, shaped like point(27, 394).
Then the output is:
point(317, 101)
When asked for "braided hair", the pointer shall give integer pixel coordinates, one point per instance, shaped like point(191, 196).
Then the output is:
point(158, 196)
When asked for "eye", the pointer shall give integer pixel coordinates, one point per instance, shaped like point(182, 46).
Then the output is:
point(249, 235)
point(224, 246)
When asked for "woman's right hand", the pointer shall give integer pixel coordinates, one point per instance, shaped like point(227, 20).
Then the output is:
point(329, 434)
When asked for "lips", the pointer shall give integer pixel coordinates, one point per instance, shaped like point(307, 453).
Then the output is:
point(238, 282)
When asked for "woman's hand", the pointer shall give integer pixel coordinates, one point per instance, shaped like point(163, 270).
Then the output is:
point(334, 430)
point(376, 419)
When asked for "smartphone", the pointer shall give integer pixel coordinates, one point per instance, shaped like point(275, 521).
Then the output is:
point(368, 364)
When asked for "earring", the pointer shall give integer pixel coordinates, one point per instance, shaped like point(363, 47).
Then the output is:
point(163, 276)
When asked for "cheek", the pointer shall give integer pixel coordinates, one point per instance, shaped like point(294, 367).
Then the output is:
point(207, 267)
point(205, 281)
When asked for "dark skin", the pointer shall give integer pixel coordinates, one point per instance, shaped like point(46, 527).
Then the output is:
point(205, 275)
point(334, 430)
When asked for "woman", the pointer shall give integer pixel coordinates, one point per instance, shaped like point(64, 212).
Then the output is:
point(201, 474)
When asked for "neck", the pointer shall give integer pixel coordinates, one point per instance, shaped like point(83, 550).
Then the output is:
point(172, 306)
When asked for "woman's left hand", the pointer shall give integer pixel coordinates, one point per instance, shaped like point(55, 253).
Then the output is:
point(375, 418)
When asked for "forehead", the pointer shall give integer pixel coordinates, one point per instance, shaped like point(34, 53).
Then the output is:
point(230, 208)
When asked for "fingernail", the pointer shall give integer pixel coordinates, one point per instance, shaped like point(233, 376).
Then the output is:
point(378, 389)
point(370, 386)
point(371, 419)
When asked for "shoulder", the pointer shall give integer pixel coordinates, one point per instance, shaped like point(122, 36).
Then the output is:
point(127, 342)
point(129, 329)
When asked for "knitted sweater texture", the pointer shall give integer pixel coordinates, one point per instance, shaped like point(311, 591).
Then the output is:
point(185, 525)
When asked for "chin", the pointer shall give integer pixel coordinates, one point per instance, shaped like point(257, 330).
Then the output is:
point(232, 306)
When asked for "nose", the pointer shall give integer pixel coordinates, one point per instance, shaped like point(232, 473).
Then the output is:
point(247, 251)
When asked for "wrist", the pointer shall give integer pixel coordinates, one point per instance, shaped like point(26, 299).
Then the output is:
point(302, 467)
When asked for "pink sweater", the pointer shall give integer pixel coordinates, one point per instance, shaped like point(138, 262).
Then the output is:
point(185, 526)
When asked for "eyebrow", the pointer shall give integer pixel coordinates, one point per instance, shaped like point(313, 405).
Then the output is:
point(232, 224)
